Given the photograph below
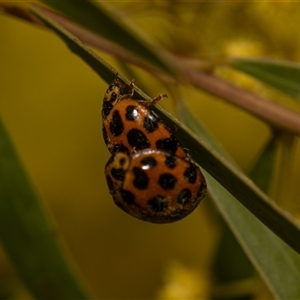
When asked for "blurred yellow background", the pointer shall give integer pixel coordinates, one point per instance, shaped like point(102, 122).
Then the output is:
point(51, 103)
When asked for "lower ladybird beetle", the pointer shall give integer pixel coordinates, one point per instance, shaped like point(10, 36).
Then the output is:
point(155, 186)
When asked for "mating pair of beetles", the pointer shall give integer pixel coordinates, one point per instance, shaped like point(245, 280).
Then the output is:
point(150, 174)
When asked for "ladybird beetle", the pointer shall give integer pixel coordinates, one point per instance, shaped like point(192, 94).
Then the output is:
point(129, 125)
point(155, 186)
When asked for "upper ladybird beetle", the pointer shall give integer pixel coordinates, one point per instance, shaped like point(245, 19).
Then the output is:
point(130, 125)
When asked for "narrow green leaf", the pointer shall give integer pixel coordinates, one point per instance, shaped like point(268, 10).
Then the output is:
point(262, 170)
point(282, 75)
point(206, 156)
point(102, 19)
point(277, 263)
point(231, 263)
point(232, 273)
point(28, 235)
point(240, 186)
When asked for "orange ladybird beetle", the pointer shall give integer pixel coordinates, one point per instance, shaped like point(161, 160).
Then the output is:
point(150, 174)
point(155, 186)
point(129, 124)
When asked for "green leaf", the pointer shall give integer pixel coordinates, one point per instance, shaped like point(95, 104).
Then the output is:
point(263, 167)
point(232, 273)
point(231, 265)
point(282, 75)
point(286, 227)
point(105, 21)
point(277, 263)
point(28, 235)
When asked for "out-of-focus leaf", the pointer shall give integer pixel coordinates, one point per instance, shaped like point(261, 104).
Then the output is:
point(232, 273)
point(231, 264)
point(286, 227)
point(28, 235)
point(282, 75)
point(103, 20)
point(262, 169)
point(277, 263)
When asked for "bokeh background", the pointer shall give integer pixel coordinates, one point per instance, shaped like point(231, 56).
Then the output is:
point(51, 102)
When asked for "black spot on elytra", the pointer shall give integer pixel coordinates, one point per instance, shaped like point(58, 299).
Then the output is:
point(131, 113)
point(151, 122)
point(169, 144)
point(141, 179)
point(190, 174)
point(106, 108)
point(104, 133)
point(110, 184)
point(113, 97)
point(167, 181)
point(184, 196)
point(137, 139)
point(170, 161)
point(116, 126)
point(117, 174)
point(158, 203)
point(149, 162)
point(120, 148)
point(127, 197)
